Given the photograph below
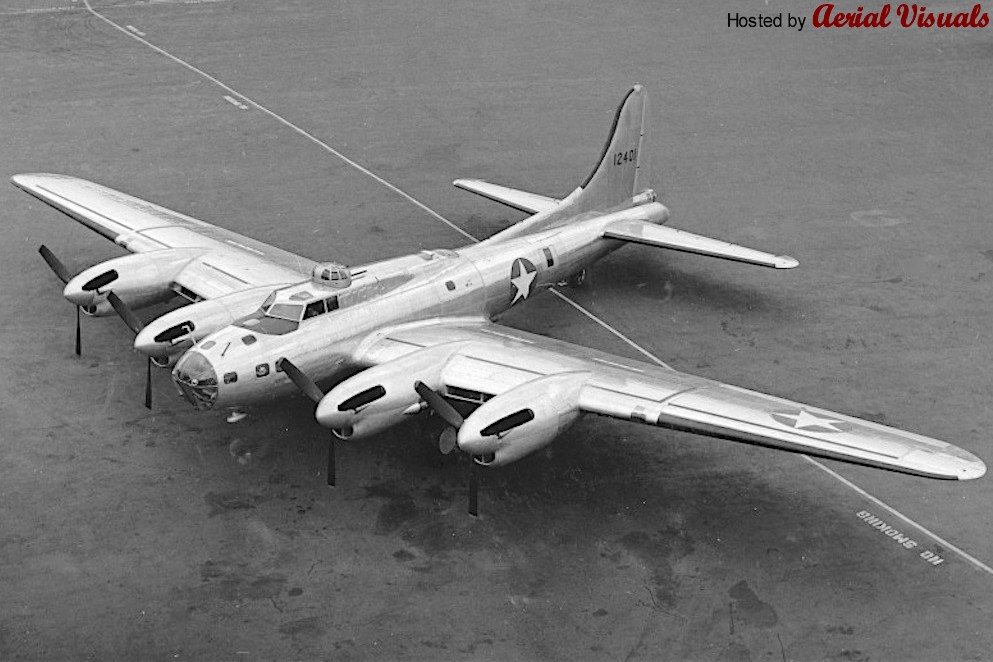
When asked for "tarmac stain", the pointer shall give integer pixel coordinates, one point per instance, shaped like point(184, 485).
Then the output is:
point(750, 609)
point(988, 254)
point(232, 583)
point(471, 648)
point(398, 509)
point(222, 501)
point(394, 514)
point(841, 629)
point(403, 556)
point(658, 553)
point(311, 626)
point(735, 652)
point(876, 218)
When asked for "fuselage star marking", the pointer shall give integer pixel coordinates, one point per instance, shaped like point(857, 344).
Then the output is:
point(522, 274)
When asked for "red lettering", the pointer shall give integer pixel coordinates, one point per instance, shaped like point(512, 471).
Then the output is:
point(906, 17)
point(825, 18)
point(822, 16)
point(977, 21)
point(884, 16)
point(911, 15)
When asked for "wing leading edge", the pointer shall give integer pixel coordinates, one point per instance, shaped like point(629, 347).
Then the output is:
point(532, 203)
point(492, 360)
point(660, 236)
point(231, 262)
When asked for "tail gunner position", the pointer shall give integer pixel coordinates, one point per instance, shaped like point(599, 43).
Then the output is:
point(415, 333)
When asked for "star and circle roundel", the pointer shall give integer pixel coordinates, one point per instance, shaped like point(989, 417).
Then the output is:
point(810, 422)
point(522, 277)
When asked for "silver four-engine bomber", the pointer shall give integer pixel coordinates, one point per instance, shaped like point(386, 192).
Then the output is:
point(416, 333)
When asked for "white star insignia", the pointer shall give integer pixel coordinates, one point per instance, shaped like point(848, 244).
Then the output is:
point(523, 281)
point(804, 420)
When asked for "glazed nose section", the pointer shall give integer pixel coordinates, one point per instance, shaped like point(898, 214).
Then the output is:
point(196, 379)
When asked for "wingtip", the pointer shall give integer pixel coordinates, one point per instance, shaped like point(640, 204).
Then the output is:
point(972, 470)
point(786, 262)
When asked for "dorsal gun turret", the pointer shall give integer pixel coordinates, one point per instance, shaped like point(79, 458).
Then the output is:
point(332, 274)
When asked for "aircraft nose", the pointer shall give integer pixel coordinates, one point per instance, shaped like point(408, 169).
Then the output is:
point(196, 379)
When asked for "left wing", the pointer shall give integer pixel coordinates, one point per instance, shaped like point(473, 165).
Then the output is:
point(229, 262)
point(531, 386)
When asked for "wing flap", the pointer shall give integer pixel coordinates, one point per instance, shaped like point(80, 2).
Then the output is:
point(662, 236)
point(531, 203)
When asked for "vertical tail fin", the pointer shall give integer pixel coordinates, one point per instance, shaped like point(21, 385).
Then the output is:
point(619, 174)
point(619, 181)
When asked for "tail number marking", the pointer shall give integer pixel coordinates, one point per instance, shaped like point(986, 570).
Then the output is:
point(624, 157)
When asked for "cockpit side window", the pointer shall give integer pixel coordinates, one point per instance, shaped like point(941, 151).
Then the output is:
point(332, 303)
point(314, 309)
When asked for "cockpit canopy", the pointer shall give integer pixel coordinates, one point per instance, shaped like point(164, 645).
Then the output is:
point(332, 274)
point(284, 309)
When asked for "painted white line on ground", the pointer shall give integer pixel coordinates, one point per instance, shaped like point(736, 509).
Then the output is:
point(39, 10)
point(234, 102)
point(941, 541)
point(614, 331)
point(314, 139)
point(135, 30)
point(317, 141)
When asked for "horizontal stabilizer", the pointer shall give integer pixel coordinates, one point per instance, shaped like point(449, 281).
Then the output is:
point(640, 232)
point(531, 203)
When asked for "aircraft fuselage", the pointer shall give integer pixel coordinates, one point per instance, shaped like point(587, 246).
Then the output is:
point(237, 366)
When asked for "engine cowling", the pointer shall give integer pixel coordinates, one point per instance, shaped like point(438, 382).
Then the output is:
point(139, 280)
point(165, 337)
point(522, 420)
point(380, 397)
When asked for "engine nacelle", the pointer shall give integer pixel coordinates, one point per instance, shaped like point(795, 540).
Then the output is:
point(166, 337)
point(522, 420)
point(139, 280)
point(380, 397)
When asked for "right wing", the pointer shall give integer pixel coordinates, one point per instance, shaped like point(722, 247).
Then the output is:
point(517, 375)
point(230, 262)
point(531, 203)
